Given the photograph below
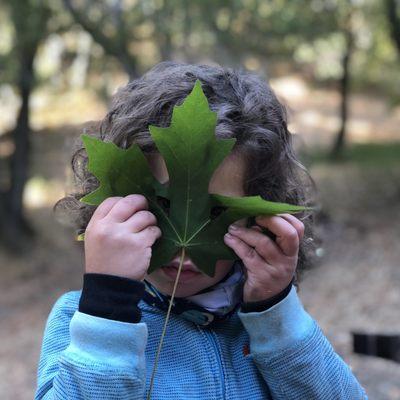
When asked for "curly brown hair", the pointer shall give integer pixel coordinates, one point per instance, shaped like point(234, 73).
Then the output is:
point(247, 109)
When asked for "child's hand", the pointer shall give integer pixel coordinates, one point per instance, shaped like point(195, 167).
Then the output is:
point(119, 237)
point(270, 264)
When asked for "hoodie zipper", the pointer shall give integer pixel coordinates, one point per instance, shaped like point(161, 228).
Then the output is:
point(214, 344)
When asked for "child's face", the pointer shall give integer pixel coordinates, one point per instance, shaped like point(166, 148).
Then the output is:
point(227, 180)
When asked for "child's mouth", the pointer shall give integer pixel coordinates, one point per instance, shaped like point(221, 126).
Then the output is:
point(185, 275)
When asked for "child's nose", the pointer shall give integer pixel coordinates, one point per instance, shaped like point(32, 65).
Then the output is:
point(186, 260)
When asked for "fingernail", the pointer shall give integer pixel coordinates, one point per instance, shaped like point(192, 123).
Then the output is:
point(228, 236)
point(233, 227)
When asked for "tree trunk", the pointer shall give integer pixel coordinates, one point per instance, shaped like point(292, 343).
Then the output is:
point(15, 229)
point(339, 143)
point(394, 20)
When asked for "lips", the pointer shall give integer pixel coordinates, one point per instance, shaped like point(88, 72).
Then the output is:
point(185, 267)
point(186, 274)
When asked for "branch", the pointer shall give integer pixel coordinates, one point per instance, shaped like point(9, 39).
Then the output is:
point(117, 48)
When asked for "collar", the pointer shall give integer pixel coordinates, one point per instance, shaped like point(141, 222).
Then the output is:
point(216, 303)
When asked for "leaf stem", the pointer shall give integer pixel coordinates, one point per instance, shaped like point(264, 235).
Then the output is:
point(165, 323)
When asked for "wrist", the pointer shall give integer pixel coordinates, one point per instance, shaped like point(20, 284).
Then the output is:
point(111, 297)
point(264, 304)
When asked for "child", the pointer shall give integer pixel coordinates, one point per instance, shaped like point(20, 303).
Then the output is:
point(241, 334)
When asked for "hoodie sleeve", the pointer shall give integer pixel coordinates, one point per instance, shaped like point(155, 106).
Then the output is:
point(294, 357)
point(89, 357)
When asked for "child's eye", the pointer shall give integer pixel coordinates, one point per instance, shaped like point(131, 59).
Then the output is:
point(164, 203)
point(217, 210)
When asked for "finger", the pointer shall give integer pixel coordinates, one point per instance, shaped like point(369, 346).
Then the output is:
point(104, 208)
point(248, 254)
point(287, 237)
point(127, 206)
point(298, 225)
point(140, 220)
point(264, 245)
point(149, 235)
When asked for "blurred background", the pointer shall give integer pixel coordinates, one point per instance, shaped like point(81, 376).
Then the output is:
point(334, 63)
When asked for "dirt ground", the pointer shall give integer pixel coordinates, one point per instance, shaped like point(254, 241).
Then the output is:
point(356, 286)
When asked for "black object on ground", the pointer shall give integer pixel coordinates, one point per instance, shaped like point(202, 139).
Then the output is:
point(378, 345)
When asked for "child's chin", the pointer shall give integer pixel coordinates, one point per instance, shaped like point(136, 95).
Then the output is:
point(187, 290)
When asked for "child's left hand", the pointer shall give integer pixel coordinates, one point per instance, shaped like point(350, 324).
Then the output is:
point(270, 264)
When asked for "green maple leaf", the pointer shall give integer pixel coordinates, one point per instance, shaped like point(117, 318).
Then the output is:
point(191, 153)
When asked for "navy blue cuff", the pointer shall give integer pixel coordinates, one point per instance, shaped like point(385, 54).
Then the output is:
point(111, 297)
point(262, 305)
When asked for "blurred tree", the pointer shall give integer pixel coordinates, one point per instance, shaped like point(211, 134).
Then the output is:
point(333, 36)
point(347, 29)
point(392, 7)
point(29, 19)
point(274, 30)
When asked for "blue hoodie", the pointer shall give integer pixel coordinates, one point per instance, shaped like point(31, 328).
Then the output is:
point(280, 353)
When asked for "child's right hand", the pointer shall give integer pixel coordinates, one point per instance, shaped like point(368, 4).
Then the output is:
point(119, 236)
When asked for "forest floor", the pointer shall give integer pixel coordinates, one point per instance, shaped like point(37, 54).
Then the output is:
point(355, 287)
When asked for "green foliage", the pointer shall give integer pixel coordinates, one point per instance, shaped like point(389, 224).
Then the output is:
point(191, 153)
